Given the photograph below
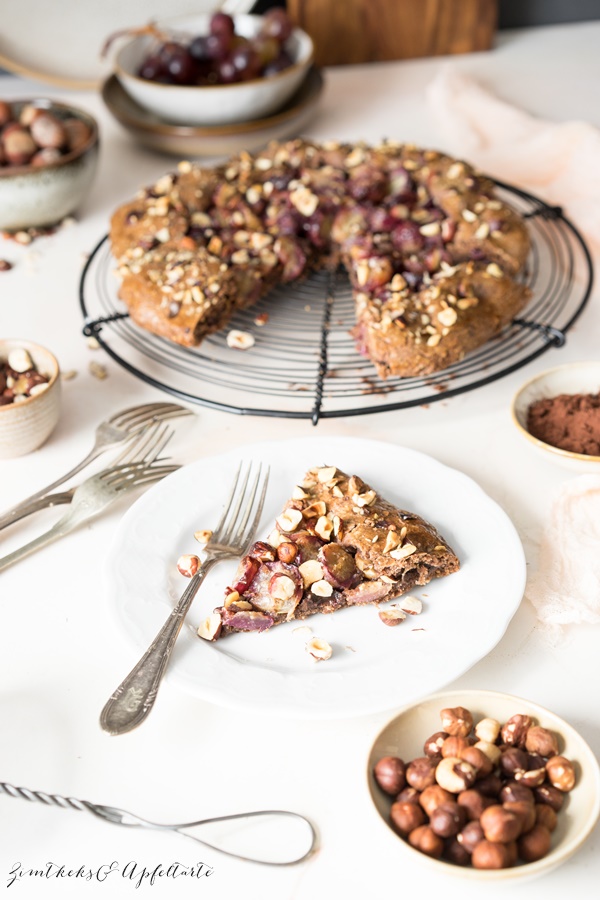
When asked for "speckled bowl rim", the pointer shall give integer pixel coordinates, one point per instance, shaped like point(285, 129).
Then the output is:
point(120, 70)
point(7, 172)
point(29, 345)
point(555, 451)
point(528, 871)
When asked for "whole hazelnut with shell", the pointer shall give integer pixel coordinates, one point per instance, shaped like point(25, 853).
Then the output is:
point(420, 773)
point(500, 824)
point(490, 855)
point(457, 721)
point(541, 740)
point(390, 774)
point(561, 773)
point(406, 817)
point(427, 841)
point(433, 796)
point(515, 730)
point(535, 844)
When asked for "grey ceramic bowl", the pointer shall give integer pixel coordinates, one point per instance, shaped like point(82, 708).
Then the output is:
point(25, 426)
point(35, 197)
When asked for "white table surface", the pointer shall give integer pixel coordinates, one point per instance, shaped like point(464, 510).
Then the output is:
point(62, 653)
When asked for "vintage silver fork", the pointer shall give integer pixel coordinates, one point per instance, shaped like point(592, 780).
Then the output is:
point(99, 491)
point(109, 434)
point(132, 701)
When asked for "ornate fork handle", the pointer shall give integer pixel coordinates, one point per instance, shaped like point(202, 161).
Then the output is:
point(74, 517)
point(134, 698)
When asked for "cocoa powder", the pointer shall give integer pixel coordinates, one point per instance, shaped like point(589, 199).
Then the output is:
point(568, 421)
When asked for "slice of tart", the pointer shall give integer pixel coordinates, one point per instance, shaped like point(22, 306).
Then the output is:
point(337, 543)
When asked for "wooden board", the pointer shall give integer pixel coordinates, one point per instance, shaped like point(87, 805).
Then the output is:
point(357, 31)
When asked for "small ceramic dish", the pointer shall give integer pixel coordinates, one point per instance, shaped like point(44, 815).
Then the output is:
point(219, 104)
point(404, 737)
point(26, 425)
point(38, 196)
point(213, 140)
point(572, 378)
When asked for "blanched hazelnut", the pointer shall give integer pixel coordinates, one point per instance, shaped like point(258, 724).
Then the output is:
point(452, 746)
point(433, 744)
point(512, 792)
point(420, 773)
point(434, 796)
point(500, 824)
point(514, 731)
point(488, 855)
point(474, 803)
point(547, 793)
point(448, 819)
point(545, 815)
point(406, 817)
point(471, 835)
point(390, 774)
point(480, 762)
point(457, 721)
point(541, 740)
point(488, 730)
point(427, 841)
point(561, 773)
point(535, 844)
point(492, 751)
point(455, 775)
point(188, 565)
point(525, 812)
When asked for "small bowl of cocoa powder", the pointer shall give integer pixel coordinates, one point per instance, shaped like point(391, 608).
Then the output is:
point(558, 412)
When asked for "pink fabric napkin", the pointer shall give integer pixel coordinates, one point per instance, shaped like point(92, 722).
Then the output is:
point(560, 162)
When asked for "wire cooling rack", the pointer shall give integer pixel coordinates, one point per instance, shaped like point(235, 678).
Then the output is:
point(303, 364)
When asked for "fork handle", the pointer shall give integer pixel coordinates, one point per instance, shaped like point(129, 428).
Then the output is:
point(22, 508)
point(134, 698)
point(60, 528)
point(27, 508)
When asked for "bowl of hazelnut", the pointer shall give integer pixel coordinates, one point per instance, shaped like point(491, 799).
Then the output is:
point(558, 413)
point(214, 69)
point(48, 157)
point(29, 396)
point(484, 785)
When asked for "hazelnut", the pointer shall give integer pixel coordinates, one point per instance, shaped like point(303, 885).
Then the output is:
point(513, 760)
point(406, 817)
point(512, 853)
point(514, 731)
point(454, 775)
point(5, 113)
point(499, 824)
point(490, 786)
point(492, 751)
point(488, 855)
point(420, 773)
point(188, 565)
point(532, 778)
point(525, 812)
point(78, 133)
point(48, 131)
point(457, 721)
point(448, 819)
point(488, 730)
point(46, 156)
point(434, 796)
point(456, 853)
point(547, 793)
point(535, 844)
point(545, 815)
point(453, 746)
point(433, 744)
point(390, 774)
point(286, 552)
point(561, 773)
point(409, 795)
point(540, 740)
point(513, 791)
point(19, 146)
point(210, 627)
point(470, 836)
point(28, 113)
point(427, 841)
point(474, 803)
point(480, 762)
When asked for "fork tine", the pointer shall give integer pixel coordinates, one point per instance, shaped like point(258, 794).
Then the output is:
point(227, 504)
point(125, 414)
point(230, 519)
point(247, 536)
point(241, 525)
point(153, 412)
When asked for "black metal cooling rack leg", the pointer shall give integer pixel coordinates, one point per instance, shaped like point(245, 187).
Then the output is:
point(93, 327)
point(322, 373)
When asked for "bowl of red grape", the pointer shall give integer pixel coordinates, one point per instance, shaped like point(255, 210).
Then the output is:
point(214, 69)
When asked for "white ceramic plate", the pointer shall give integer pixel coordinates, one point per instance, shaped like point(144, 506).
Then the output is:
point(373, 667)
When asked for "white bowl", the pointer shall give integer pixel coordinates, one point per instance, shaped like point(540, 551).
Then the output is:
point(25, 426)
point(219, 104)
point(572, 378)
point(405, 735)
point(33, 197)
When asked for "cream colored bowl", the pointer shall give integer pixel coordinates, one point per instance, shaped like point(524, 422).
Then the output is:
point(219, 104)
point(37, 196)
point(25, 426)
point(572, 378)
point(405, 735)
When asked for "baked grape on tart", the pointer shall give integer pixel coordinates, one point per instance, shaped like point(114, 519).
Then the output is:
point(336, 544)
point(433, 254)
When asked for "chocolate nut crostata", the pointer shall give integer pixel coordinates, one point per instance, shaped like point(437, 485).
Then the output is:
point(336, 544)
point(432, 253)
